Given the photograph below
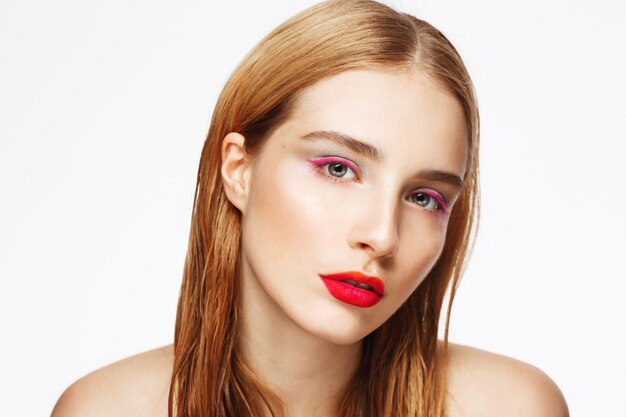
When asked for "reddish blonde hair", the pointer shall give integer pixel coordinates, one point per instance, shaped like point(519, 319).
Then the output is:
point(401, 372)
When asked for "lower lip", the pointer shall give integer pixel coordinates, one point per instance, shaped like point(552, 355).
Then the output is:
point(351, 295)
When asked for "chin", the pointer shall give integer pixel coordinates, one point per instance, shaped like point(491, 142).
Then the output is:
point(340, 328)
point(343, 339)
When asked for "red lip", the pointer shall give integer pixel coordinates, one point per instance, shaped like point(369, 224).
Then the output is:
point(348, 293)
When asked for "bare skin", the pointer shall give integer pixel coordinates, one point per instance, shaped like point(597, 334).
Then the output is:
point(300, 340)
point(480, 384)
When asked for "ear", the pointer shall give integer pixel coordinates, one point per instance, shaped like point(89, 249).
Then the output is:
point(236, 170)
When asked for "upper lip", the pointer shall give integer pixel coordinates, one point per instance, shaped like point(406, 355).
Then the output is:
point(376, 283)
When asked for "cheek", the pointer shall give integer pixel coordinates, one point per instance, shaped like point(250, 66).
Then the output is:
point(284, 215)
point(423, 243)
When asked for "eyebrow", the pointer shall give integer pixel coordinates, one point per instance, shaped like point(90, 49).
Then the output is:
point(442, 176)
point(342, 139)
point(373, 153)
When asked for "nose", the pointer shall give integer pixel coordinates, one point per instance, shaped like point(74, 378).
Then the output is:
point(375, 228)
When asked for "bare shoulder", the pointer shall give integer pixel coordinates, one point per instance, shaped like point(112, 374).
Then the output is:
point(485, 384)
point(138, 386)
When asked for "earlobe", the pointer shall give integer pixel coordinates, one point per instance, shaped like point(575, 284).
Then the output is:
point(235, 170)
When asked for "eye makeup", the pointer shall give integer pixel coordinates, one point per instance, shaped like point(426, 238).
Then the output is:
point(442, 206)
point(319, 163)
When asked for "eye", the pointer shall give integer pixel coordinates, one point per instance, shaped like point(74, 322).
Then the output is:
point(335, 168)
point(430, 200)
point(339, 170)
point(424, 200)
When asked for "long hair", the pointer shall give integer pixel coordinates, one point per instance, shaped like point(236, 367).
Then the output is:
point(401, 370)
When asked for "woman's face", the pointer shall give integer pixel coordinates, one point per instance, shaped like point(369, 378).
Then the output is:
point(346, 206)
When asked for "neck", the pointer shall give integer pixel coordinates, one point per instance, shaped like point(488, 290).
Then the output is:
point(308, 373)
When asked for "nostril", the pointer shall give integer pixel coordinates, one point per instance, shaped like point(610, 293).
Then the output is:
point(365, 246)
point(380, 248)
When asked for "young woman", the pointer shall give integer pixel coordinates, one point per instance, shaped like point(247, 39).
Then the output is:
point(336, 201)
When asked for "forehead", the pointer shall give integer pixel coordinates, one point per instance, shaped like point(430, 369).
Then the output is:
point(407, 116)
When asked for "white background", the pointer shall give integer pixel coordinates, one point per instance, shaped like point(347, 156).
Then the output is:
point(103, 110)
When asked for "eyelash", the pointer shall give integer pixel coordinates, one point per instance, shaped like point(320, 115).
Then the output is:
point(320, 163)
point(442, 206)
